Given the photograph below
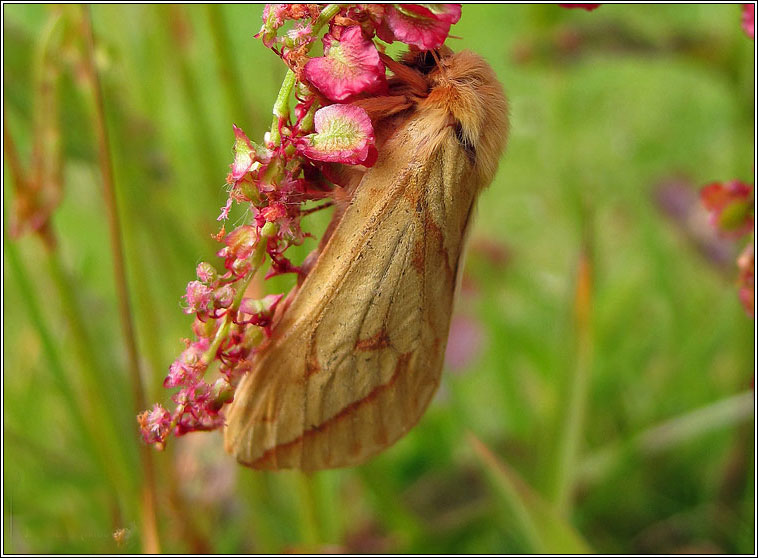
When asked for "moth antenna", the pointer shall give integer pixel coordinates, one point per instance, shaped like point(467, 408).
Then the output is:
point(436, 57)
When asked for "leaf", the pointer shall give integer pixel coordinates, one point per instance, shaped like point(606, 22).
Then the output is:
point(543, 530)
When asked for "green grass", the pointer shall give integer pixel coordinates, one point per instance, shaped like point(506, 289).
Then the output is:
point(652, 453)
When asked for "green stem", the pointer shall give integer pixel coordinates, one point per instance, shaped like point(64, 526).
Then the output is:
point(150, 538)
point(309, 524)
point(572, 411)
point(88, 410)
point(503, 481)
point(54, 361)
point(325, 16)
point(257, 259)
point(230, 78)
point(102, 421)
point(46, 153)
point(174, 18)
point(281, 106)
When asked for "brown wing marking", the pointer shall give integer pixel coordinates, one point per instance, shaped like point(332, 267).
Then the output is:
point(290, 450)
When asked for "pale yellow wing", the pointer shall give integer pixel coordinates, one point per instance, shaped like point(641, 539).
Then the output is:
point(357, 356)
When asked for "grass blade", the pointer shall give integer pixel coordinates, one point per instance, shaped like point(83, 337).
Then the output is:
point(540, 526)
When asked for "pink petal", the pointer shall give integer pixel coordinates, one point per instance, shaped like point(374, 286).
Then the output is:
point(241, 241)
point(206, 272)
point(411, 28)
point(746, 263)
point(197, 296)
point(350, 66)
point(748, 19)
point(731, 206)
point(343, 135)
point(448, 13)
point(273, 18)
point(588, 7)
point(225, 210)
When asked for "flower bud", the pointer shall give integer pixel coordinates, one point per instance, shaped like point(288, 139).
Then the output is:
point(206, 272)
point(223, 297)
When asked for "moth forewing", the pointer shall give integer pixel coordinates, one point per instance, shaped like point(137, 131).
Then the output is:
point(357, 355)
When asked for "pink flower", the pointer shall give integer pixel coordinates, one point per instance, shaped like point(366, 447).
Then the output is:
point(343, 135)
point(241, 242)
point(275, 15)
point(198, 297)
point(448, 13)
point(301, 34)
point(588, 7)
point(274, 212)
point(223, 296)
point(731, 206)
point(464, 342)
point(154, 424)
point(199, 409)
point(188, 367)
point(748, 19)
point(349, 66)
point(424, 26)
point(206, 272)
point(746, 263)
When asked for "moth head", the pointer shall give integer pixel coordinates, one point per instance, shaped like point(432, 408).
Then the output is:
point(465, 87)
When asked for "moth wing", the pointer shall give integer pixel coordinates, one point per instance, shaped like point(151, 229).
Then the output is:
point(357, 356)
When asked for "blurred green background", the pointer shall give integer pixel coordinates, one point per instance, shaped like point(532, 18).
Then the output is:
point(598, 393)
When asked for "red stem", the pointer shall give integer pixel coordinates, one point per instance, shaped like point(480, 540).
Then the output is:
point(150, 539)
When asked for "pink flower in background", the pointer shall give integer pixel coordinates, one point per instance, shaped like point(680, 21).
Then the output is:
point(588, 7)
point(731, 206)
point(748, 19)
point(746, 281)
point(465, 342)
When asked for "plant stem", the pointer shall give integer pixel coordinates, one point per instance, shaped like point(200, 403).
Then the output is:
point(18, 180)
point(668, 435)
point(88, 409)
point(281, 106)
point(55, 364)
point(572, 412)
point(150, 539)
point(310, 528)
point(174, 18)
point(229, 76)
point(325, 16)
point(257, 259)
point(502, 479)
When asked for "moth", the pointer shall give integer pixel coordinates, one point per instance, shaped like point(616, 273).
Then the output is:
point(357, 352)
